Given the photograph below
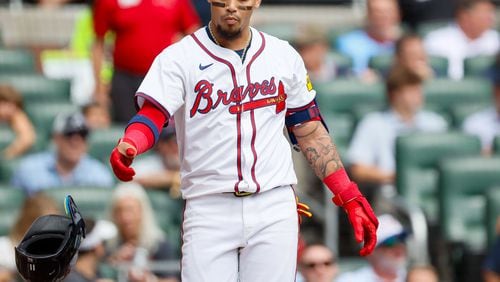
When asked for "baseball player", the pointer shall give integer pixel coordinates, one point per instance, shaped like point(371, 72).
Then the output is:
point(231, 90)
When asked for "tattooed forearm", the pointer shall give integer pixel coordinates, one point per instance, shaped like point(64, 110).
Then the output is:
point(318, 149)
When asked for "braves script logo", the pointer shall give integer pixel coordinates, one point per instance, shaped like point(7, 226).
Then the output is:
point(204, 90)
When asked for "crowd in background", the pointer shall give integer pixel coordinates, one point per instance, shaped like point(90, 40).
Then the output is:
point(111, 38)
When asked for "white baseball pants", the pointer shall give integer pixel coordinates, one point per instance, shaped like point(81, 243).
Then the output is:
point(246, 239)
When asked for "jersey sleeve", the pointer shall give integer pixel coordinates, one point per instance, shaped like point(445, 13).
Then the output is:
point(100, 15)
point(163, 85)
point(301, 91)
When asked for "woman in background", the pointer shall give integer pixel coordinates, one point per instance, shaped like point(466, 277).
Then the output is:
point(12, 114)
point(140, 239)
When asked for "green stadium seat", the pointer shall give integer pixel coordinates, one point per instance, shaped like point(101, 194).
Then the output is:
point(92, 201)
point(426, 27)
point(342, 62)
point(38, 88)
point(444, 94)
point(478, 66)
point(382, 64)
point(168, 212)
point(347, 95)
point(463, 184)
point(417, 159)
point(101, 142)
point(284, 31)
point(492, 212)
point(11, 200)
point(496, 145)
point(16, 61)
point(42, 114)
point(6, 136)
point(7, 168)
point(460, 112)
point(341, 127)
point(334, 33)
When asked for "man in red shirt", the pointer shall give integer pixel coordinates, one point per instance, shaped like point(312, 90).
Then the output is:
point(142, 28)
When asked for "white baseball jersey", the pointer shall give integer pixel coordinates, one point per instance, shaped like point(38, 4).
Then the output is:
point(229, 115)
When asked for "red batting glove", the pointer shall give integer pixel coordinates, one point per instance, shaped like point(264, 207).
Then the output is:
point(121, 158)
point(363, 221)
point(360, 213)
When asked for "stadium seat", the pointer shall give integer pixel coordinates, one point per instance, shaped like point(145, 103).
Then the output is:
point(496, 145)
point(382, 64)
point(340, 126)
point(342, 62)
point(492, 212)
point(42, 115)
point(417, 159)
point(444, 94)
point(336, 31)
point(460, 112)
point(284, 31)
point(92, 201)
point(346, 95)
point(7, 168)
point(478, 66)
point(11, 199)
point(101, 142)
point(16, 61)
point(168, 212)
point(6, 136)
point(425, 28)
point(463, 184)
point(38, 88)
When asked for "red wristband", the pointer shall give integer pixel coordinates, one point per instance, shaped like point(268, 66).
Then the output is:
point(337, 181)
point(141, 136)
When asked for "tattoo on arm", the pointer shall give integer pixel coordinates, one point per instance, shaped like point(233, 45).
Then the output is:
point(319, 149)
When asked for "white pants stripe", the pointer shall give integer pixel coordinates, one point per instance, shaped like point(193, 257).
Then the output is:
point(246, 239)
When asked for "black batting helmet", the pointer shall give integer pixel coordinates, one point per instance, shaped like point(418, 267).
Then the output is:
point(49, 247)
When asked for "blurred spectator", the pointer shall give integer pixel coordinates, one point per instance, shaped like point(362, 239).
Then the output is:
point(423, 273)
point(486, 123)
point(388, 261)
point(33, 207)
point(138, 232)
point(162, 169)
point(411, 54)
point(67, 165)
point(491, 266)
point(377, 38)
point(317, 264)
point(96, 116)
point(470, 36)
point(416, 12)
point(12, 113)
point(91, 251)
point(7, 275)
point(137, 25)
point(371, 151)
point(313, 47)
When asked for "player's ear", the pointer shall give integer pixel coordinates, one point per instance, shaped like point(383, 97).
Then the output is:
point(257, 3)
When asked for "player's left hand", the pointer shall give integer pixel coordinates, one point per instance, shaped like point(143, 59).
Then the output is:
point(121, 158)
point(364, 222)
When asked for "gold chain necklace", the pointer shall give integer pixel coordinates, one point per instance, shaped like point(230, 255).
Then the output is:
point(217, 42)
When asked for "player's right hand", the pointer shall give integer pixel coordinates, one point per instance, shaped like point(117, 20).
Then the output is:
point(121, 158)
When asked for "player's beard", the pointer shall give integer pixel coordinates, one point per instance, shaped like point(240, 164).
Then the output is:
point(228, 34)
